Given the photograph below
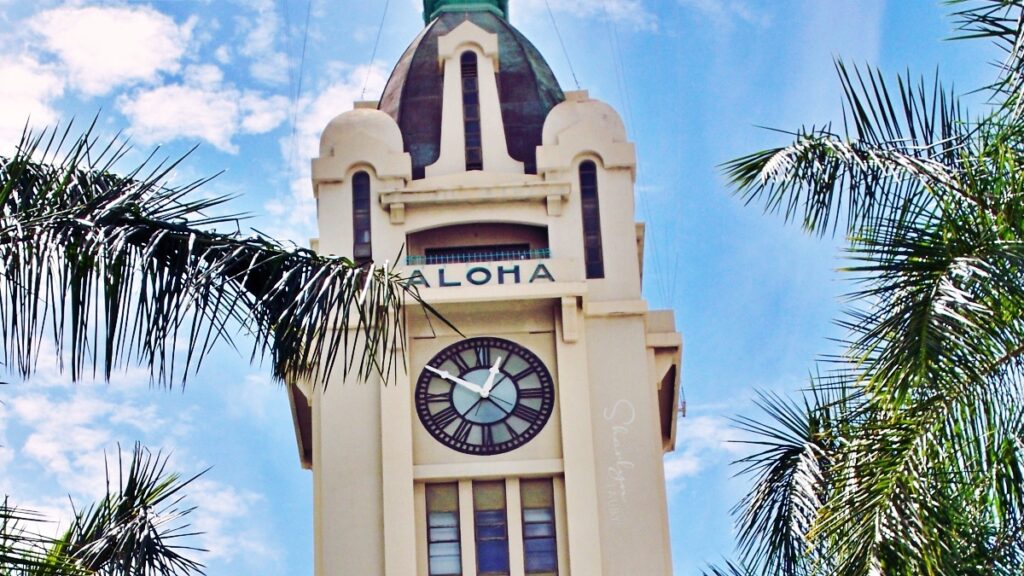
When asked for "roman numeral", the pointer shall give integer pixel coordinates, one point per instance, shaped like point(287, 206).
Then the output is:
point(523, 374)
point(488, 436)
point(532, 393)
point(526, 413)
point(460, 362)
point(435, 398)
point(445, 417)
point(483, 356)
point(463, 431)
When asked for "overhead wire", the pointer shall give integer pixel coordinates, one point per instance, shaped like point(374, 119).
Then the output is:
point(376, 44)
point(297, 95)
point(661, 281)
point(565, 51)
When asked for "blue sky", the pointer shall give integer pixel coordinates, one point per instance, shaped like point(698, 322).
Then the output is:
point(692, 78)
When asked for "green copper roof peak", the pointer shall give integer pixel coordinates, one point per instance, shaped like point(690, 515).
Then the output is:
point(434, 8)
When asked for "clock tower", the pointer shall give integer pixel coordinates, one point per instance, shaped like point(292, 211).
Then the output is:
point(530, 441)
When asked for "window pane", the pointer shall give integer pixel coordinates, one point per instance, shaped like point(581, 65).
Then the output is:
point(443, 498)
point(446, 566)
point(492, 557)
point(489, 495)
point(538, 493)
point(484, 532)
point(491, 517)
point(541, 563)
point(538, 514)
point(539, 530)
point(443, 519)
point(444, 534)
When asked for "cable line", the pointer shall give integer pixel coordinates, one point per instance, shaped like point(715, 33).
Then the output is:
point(562, 42)
point(298, 92)
point(376, 43)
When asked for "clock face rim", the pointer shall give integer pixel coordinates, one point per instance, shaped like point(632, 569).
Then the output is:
point(520, 439)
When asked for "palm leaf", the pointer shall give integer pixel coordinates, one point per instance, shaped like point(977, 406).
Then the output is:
point(906, 142)
point(121, 269)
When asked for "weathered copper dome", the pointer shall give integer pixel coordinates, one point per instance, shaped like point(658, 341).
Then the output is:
point(527, 90)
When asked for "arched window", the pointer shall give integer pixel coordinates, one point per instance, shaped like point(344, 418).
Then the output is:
point(471, 111)
point(593, 253)
point(361, 248)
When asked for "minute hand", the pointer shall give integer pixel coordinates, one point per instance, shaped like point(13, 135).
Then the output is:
point(489, 384)
point(449, 376)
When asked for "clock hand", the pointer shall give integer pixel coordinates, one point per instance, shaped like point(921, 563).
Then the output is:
point(495, 400)
point(492, 372)
point(451, 377)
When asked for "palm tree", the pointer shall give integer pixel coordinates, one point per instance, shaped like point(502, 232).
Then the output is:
point(118, 269)
point(134, 530)
point(906, 456)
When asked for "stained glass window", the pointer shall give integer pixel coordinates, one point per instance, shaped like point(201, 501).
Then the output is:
point(491, 528)
point(443, 548)
point(593, 252)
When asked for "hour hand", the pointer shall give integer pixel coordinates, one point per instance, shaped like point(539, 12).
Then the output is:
point(451, 377)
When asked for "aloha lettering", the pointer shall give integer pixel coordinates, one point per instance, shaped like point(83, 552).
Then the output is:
point(479, 276)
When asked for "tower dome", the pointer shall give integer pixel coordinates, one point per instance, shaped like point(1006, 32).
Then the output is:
point(527, 88)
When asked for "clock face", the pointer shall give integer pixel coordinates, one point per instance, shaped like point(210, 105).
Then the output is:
point(484, 396)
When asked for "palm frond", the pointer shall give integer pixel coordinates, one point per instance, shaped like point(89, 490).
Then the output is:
point(121, 269)
point(137, 527)
point(907, 142)
point(791, 468)
point(999, 21)
point(23, 552)
point(730, 569)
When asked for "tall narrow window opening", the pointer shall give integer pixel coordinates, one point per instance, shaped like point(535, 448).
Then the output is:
point(491, 519)
point(471, 112)
point(539, 547)
point(362, 250)
point(444, 550)
point(593, 252)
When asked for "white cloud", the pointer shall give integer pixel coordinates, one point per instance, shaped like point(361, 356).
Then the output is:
point(630, 12)
point(261, 115)
point(67, 437)
point(105, 47)
point(223, 55)
point(201, 110)
point(220, 516)
point(725, 13)
point(701, 441)
point(267, 64)
point(253, 399)
point(178, 111)
point(205, 76)
point(26, 93)
point(6, 450)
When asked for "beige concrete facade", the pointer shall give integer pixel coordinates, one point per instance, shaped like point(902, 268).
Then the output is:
point(615, 364)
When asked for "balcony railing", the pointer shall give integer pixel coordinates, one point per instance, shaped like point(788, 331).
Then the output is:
point(469, 257)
